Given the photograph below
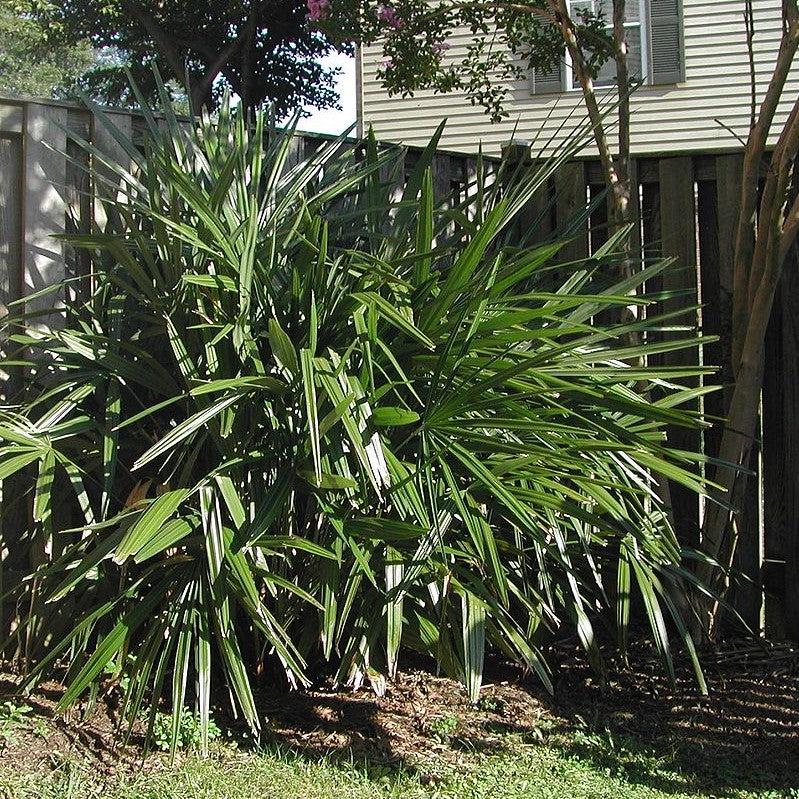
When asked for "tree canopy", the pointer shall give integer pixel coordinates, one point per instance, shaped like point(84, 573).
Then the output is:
point(29, 64)
point(262, 50)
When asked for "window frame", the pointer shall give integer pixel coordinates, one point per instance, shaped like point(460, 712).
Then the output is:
point(642, 24)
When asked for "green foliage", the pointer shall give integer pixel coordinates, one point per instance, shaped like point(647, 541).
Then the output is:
point(507, 41)
point(491, 704)
point(13, 718)
point(264, 51)
point(190, 733)
point(298, 424)
point(29, 63)
point(444, 727)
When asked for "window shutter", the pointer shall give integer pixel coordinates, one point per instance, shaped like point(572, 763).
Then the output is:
point(547, 82)
point(666, 62)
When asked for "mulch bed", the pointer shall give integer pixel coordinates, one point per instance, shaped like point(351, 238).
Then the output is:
point(750, 718)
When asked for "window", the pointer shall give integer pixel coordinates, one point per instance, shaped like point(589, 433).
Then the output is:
point(654, 46)
point(634, 14)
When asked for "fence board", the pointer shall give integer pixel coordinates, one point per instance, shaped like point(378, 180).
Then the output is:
point(442, 177)
point(105, 142)
point(678, 240)
point(634, 211)
point(747, 596)
point(78, 200)
point(789, 449)
point(11, 116)
point(570, 199)
point(10, 253)
point(598, 221)
point(45, 206)
point(717, 195)
point(537, 220)
point(10, 219)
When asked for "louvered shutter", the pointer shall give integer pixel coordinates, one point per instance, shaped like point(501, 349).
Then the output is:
point(547, 82)
point(665, 41)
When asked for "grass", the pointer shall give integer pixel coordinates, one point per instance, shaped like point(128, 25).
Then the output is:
point(580, 766)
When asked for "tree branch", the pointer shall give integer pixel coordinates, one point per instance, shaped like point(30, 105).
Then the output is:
point(160, 37)
point(789, 230)
point(753, 156)
point(568, 31)
point(623, 81)
point(772, 204)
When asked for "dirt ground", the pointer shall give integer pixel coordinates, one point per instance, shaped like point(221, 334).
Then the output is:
point(751, 715)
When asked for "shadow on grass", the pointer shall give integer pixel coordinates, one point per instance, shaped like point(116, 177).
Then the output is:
point(743, 736)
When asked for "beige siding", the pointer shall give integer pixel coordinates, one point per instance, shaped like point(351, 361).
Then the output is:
point(677, 118)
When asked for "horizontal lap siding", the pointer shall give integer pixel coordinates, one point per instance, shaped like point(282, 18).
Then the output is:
point(679, 118)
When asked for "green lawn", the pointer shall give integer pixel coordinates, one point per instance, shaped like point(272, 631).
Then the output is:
point(578, 767)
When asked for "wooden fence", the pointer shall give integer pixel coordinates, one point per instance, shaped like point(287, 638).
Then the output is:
point(686, 208)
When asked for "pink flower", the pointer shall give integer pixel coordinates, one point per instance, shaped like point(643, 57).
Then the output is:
point(389, 15)
point(318, 10)
point(387, 62)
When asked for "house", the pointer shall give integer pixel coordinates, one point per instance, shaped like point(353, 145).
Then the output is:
point(692, 58)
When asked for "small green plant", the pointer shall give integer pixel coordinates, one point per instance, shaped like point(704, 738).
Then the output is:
point(12, 719)
point(443, 727)
point(491, 704)
point(189, 732)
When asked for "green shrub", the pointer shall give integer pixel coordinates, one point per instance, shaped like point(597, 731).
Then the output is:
point(299, 423)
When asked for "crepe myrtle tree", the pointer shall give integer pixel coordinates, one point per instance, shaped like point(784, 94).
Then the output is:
point(508, 39)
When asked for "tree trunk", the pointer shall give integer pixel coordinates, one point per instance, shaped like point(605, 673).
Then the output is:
point(617, 183)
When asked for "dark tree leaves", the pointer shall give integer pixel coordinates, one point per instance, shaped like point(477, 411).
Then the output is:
point(264, 51)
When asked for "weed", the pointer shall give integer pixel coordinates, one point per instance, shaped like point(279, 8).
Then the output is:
point(12, 719)
point(443, 727)
point(491, 704)
point(189, 732)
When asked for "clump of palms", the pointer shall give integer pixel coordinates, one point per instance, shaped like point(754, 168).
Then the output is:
point(297, 420)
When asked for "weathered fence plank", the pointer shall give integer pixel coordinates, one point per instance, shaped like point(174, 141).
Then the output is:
point(678, 240)
point(110, 183)
point(10, 218)
point(45, 206)
point(78, 202)
point(570, 199)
